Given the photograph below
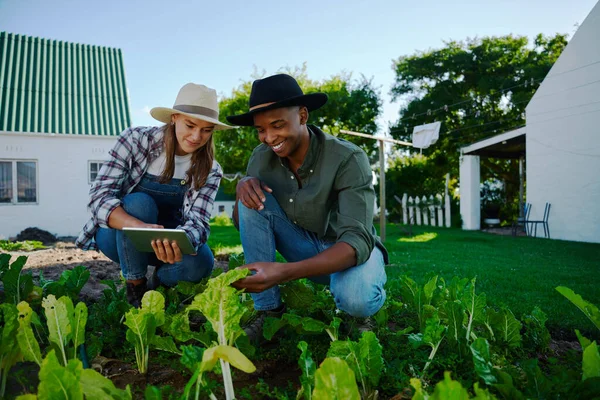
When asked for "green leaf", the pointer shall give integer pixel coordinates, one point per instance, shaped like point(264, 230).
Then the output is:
point(449, 389)
point(97, 387)
point(190, 288)
point(334, 328)
point(455, 313)
point(474, 307)
point(69, 284)
point(419, 394)
point(152, 393)
point(349, 352)
point(27, 397)
point(221, 305)
point(142, 328)
point(59, 326)
point(429, 289)
point(482, 394)
point(154, 303)
point(506, 387)
point(589, 309)
point(434, 331)
point(27, 342)
point(538, 386)
point(591, 362)
point(16, 285)
point(165, 344)
point(312, 325)
point(229, 354)
point(334, 380)
point(308, 368)
point(9, 324)
point(78, 323)
point(297, 295)
point(506, 327)
point(536, 333)
point(272, 325)
point(583, 341)
point(371, 360)
point(480, 348)
point(191, 357)
point(57, 382)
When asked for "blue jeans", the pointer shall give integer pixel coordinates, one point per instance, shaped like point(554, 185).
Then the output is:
point(134, 264)
point(357, 290)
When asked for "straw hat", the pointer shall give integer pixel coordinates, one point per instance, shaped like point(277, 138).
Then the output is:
point(196, 101)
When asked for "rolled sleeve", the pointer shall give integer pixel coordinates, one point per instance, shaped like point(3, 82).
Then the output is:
point(356, 197)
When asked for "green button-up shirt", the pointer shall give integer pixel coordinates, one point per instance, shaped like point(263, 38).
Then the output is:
point(335, 198)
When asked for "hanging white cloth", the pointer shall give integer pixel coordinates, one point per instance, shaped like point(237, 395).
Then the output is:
point(425, 135)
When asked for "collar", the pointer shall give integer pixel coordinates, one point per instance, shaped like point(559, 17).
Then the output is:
point(314, 149)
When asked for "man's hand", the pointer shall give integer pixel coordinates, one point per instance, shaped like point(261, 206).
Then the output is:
point(267, 275)
point(167, 252)
point(250, 191)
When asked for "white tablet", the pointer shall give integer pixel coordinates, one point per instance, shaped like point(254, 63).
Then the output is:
point(142, 238)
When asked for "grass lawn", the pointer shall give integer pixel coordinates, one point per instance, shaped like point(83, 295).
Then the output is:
point(520, 272)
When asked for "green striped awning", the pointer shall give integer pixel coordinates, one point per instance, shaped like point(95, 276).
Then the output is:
point(50, 86)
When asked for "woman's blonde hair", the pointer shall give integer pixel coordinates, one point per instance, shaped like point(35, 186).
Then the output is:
point(202, 159)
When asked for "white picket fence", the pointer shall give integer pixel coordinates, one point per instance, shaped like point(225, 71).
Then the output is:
point(432, 211)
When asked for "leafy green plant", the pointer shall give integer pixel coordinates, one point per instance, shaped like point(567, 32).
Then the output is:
point(334, 380)
point(448, 389)
point(432, 336)
point(25, 337)
point(69, 284)
point(142, 323)
point(66, 325)
point(308, 368)
point(419, 297)
point(221, 305)
point(9, 350)
point(72, 382)
point(27, 245)
point(17, 286)
point(364, 358)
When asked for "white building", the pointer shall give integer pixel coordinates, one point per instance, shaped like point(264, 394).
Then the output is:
point(62, 105)
point(561, 142)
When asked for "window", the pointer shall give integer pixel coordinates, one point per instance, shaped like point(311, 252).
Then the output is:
point(94, 168)
point(18, 182)
point(221, 209)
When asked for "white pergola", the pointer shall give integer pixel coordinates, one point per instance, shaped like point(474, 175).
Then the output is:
point(508, 145)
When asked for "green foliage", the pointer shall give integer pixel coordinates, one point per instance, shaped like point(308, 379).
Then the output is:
point(308, 368)
point(27, 245)
point(473, 73)
point(9, 349)
point(25, 337)
point(588, 309)
point(66, 325)
point(72, 382)
point(536, 334)
point(142, 324)
point(17, 286)
point(221, 219)
point(109, 310)
point(69, 284)
point(334, 380)
point(353, 105)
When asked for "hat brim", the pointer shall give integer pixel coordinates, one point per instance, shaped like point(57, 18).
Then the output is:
point(311, 101)
point(163, 114)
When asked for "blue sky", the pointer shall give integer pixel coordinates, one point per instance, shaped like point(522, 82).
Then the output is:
point(221, 43)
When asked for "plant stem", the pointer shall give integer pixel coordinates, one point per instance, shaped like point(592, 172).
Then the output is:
point(431, 356)
point(4, 377)
point(227, 381)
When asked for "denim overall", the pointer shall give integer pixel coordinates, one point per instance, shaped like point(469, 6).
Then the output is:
point(154, 203)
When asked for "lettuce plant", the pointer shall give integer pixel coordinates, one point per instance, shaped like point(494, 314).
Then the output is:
point(220, 303)
point(334, 380)
point(142, 323)
point(9, 350)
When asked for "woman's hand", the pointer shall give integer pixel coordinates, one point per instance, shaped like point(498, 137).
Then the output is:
point(250, 191)
point(166, 251)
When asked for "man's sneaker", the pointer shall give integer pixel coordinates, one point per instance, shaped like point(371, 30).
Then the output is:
point(254, 328)
point(135, 293)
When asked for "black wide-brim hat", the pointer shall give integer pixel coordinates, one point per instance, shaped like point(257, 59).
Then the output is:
point(276, 91)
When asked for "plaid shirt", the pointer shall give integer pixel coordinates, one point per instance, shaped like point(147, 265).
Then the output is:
point(131, 156)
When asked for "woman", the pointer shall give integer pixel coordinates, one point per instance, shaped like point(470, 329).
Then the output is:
point(159, 177)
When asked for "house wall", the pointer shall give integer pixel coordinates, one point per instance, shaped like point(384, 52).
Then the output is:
point(227, 207)
point(563, 139)
point(62, 176)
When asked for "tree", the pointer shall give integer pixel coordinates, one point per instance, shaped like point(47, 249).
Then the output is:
point(477, 89)
point(353, 105)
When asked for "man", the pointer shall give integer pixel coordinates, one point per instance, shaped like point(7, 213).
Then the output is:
point(310, 196)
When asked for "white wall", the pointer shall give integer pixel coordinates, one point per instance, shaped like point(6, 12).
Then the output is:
point(228, 208)
point(62, 168)
point(470, 197)
point(563, 139)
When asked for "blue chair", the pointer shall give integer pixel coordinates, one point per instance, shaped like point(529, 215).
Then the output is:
point(520, 222)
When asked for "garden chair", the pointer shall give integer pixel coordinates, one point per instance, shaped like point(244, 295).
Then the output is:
point(520, 222)
point(543, 222)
